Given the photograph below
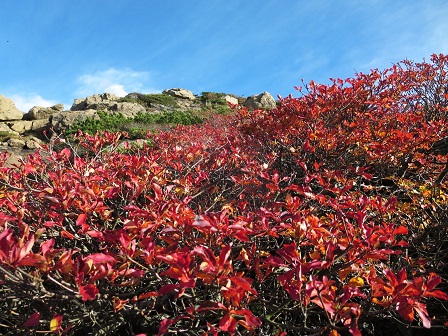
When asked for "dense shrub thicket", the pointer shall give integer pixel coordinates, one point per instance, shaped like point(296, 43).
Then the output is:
point(326, 215)
point(135, 127)
point(148, 100)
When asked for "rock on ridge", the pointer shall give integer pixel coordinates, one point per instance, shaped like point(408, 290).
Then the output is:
point(39, 112)
point(63, 120)
point(230, 99)
point(8, 111)
point(180, 93)
point(261, 101)
point(96, 101)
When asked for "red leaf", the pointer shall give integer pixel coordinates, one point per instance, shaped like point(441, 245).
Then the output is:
point(95, 234)
point(201, 223)
point(401, 230)
point(250, 321)
point(81, 221)
point(420, 308)
point(26, 248)
point(6, 243)
point(211, 330)
point(33, 320)
point(6, 218)
point(119, 304)
point(402, 276)
point(100, 258)
point(88, 292)
point(157, 191)
point(391, 277)
point(404, 309)
point(208, 256)
point(166, 323)
point(437, 294)
point(132, 273)
point(111, 192)
point(326, 304)
point(167, 288)
point(147, 295)
point(433, 281)
point(209, 305)
point(243, 283)
point(224, 263)
point(65, 152)
point(47, 246)
point(228, 323)
point(29, 168)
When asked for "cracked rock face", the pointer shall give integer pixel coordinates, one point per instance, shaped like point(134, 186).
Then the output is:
point(8, 111)
point(39, 112)
point(96, 101)
point(263, 100)
point(180, 93)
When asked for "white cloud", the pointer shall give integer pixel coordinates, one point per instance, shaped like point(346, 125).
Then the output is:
point(25, 103)
point(117, 81)
point(117, 90)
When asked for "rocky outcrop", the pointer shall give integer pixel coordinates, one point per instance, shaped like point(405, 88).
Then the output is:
point(24, 126)
point(63, 120)
point(107, 102)
point(180, 93)
point(126, 108)
point(39, 113)
point(5, 129)
point(8, 111)
point(16, 143)
point(95, 102)
point(20, 143)
point(262, 101)
point(230, 99)
point(21, 130)
point(32, 143)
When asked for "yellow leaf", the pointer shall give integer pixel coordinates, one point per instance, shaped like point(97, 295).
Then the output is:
point(179, 191)
point(356, 282)
point(264, 254)
point(55, 323)
point(343, 273)
point(426, 193)
point(334, 333)
point(89, 265)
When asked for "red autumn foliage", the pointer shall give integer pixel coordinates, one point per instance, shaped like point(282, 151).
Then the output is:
point(326, 215)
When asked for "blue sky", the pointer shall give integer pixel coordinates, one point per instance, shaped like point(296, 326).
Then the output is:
point(53, 51)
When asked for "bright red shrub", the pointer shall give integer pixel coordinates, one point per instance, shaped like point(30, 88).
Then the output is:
point(325, 215)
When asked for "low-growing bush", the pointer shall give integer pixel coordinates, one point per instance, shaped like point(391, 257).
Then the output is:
point(149, 100)
point(213, 97)
point(169, 117)
point(5, 136)
point(217, 102)
point(106, 121)
point(324, 216)
point(136, 126)
point(217, 97)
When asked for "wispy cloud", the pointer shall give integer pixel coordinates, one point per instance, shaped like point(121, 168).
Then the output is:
point(436, 38)
point(412, 32)
point(116, 81)
point(25, 102)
